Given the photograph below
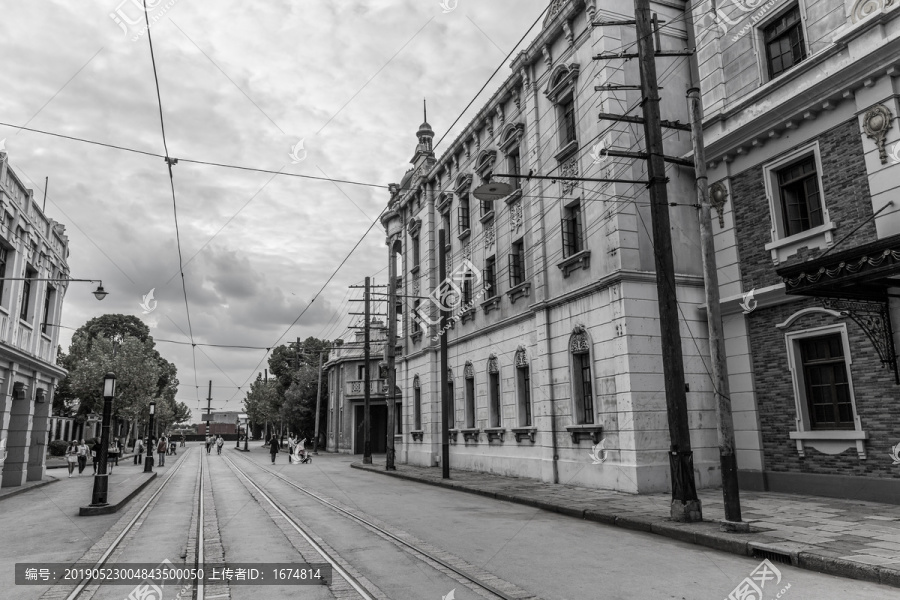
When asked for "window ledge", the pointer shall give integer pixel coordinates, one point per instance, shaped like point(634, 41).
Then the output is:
point(567, 151)
point(470, 433)
point(494, 433)
point(579, 260)
point(453, 434)
point(467, 315)
point(523, 290)
point(417, 435)
point(782, 248)
point(416, 336)
point(580, 432)
point(834, 441)
point(492, 303)
point(488, 217)
point(517, 193)
point(465, 233)
point(524, 432)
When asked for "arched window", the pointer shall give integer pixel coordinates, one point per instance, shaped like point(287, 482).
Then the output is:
point(582, 376)
point(494, 391)
point(417, 404)
point(469, 376)
point(523, 388)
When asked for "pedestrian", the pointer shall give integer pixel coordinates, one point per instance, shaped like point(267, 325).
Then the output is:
point(138, 451)
point(274, 447)
point(82, 457)
point(72, 456)
point(95, 454)
point(291, 444)
point(171, 446)
point(112, 456)
point(219, 443)
point(182, 440)
point(209, 441)
point(161, 447)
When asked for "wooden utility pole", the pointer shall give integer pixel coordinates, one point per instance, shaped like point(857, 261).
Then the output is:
point(318, 404)
point(390, 349)
point(727, 458)
point(685, 504)
point(445, 399)
point(367, 440)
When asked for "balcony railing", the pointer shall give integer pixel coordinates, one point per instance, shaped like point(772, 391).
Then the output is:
point(357, 388)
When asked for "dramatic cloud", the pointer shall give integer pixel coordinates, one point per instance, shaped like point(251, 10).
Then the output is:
point(241, 83)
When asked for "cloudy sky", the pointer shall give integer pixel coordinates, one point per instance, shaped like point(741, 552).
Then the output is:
point(241, 83)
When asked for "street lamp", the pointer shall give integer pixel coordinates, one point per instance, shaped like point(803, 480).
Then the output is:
point(237, 429)
point(99, 293)
point(101, 479)
point(148, 462)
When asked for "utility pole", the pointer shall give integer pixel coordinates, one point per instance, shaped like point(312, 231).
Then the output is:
point(445, 399)
point(390, 350)
point(727, 458)
point(318, 404)
point(209, 409)
point(685, 504)
point(367, 441)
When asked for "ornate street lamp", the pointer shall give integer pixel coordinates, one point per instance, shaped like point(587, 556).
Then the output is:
point(101, 479)
point(99, 293)
point(148, 462)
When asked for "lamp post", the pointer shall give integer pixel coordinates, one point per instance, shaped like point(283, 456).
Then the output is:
point(99, 293)
point(237, 428)
point(247, 434)
point(148, 462)
point(101, 479)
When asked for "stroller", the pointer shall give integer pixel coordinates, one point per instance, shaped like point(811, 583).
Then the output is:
point(300, 453)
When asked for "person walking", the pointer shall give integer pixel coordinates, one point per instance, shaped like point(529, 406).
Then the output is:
point(219, 443)
point(112, 456)
point(291, 444)
point(172, 446)
point(82, 457)
point(72, 456)
point(95, 454)
point(274, 447)
point(138, 451)
point(161, 446)
point(182, 440)
point(209, 441)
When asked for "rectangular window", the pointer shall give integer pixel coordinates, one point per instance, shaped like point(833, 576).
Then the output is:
point(414, 243)
point(514, 165)
point(826, 381)
point(26, 296)
point(417, 407)
point(490, 277)
point(360, 372)
point(470, 402)
point(495, 399)
point(801, 205)
point(3, 255)
point(517, 263)
point(524, 377)
point(48, 298)
point(451, 391)
point(583, 389)
point(416, 319)
point(467, 291)
point(398, 416)
point(573, 241)
point(463, 213)
point(784, 42)
point(567, 123)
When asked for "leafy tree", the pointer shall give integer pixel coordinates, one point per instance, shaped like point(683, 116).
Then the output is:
point(262, 403)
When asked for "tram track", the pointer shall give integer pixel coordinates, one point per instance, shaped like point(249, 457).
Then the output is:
point(415, 548)
point(84, 589)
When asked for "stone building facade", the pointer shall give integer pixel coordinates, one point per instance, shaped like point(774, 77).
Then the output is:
point(31, 246)
point(554, 353)
point(800, 105)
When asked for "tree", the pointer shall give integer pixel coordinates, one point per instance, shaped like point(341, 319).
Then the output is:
point(262, 403)
point(297, 376)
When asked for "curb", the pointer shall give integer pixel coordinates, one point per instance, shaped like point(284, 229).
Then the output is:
point(90, 511)
point(27, 488)
point(64, 465)
point(734, 543)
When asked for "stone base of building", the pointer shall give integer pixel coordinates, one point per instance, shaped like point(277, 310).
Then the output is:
point(846, 487)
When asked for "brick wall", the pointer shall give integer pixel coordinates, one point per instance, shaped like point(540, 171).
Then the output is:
point(874, 388)
point(847, 197)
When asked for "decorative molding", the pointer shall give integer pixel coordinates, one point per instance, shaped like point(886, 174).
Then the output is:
point(524, 432)
point(490, 304)
point(417, 436)
point(580, 432)
point(579, 344)
point(555, 8)
point(569, 169)
point(494, 433)
point(467, 315)
point(579, 260)
point(876, 123)
point(874, 318)
point(806, 311)
point(413, 226)
point(468, 370)
point(511, 136)
point(523, 290)
point(548, 59)
point(470, 434)
point(489, 235)
point(521, 358)
point(718, 197)
point(570, 37)
point(501, 118)
point(561, 79)
point(463, 183)
point(493, 365)
point(485, 161)
point(516, 215)
point(863, 9)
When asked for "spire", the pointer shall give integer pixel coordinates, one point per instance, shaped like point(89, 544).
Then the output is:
point(425, 109)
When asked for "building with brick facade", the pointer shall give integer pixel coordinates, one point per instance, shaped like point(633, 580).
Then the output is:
point(31, 246)
point(554, 353)
point(800, 119)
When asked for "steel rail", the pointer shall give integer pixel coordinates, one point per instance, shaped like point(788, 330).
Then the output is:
point(318, 548)
point(426, 554)
point(199, 589)
point(115, 543)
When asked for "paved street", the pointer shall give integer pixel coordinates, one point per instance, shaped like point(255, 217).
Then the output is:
point(521, 551)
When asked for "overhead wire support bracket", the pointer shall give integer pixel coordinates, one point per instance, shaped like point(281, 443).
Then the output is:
point(640, 121)
point(616, 87)
point(171, 161)
point(621, 22)
point(644, 156)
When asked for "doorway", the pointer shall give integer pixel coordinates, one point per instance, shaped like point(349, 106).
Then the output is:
point(378, 439)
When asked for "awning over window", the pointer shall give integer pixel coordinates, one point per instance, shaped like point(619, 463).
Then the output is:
point(863, 272)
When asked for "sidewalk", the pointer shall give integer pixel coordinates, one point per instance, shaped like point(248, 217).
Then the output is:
point(855, 539)
point(60, 462)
